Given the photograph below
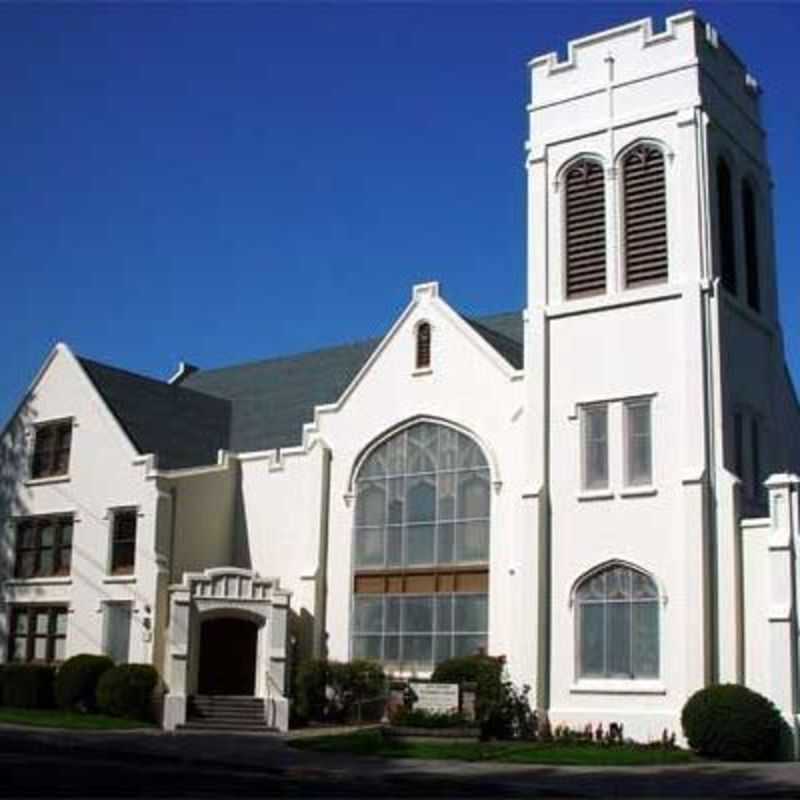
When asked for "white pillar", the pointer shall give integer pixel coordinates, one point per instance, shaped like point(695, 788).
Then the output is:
point(177, 659)
point(783, 578)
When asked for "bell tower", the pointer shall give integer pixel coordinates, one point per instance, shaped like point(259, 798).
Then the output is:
point(654, 359)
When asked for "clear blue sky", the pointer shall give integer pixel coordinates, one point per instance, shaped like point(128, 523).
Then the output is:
point(220, 183)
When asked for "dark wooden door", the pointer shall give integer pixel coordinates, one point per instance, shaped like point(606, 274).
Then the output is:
point(227, 656)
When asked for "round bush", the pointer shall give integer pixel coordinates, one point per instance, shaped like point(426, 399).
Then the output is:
point(127, 691)
point(76, 681)
point(732, 723)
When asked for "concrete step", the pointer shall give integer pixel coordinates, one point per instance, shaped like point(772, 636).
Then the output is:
point(222, 727)
point(225, 713)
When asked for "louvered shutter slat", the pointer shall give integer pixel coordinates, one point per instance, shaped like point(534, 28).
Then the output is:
point(644, 196)
point(585, 229)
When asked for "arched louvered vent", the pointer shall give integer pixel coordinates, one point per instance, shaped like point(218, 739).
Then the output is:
point(586, 229)
point(645, 204)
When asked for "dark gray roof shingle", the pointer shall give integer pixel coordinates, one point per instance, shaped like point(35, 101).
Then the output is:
point(272, 399)
point(183, 427)
point(259, 405)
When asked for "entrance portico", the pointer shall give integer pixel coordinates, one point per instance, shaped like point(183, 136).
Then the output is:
point(227, 635)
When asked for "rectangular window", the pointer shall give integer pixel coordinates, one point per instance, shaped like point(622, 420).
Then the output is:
point(594, 424)
point(51, 449)
point(37, 633)
point(416, 632)
point(123, 542)
point(44, 547)
point(117, 631)
point(638, 444)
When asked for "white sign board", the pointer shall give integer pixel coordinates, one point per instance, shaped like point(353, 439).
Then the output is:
point(438, 698)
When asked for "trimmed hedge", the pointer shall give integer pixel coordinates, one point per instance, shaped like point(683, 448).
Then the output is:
point(28, 685)
point(127, 691)
point(76, 681)
point(733, 723)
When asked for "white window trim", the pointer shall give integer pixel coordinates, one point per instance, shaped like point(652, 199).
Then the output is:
point(617, 686)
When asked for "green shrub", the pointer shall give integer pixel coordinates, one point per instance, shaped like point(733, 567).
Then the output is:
point(127, 691)
point(502, 710)
point(76, 681)
point(311, 680)
point(486, 672)
point(733, 723)
point(420, 718)
point(28, 685)
point(359, 690)
point(2, 668)
point(333, 691)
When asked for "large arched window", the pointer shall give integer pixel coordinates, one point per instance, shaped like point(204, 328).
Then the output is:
point(421, 549)
point(727, 241)
point(645, 213)
point(617, 618)
point(585, 223)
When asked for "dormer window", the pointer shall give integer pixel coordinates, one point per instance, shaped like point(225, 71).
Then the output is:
point(423, 356)
point(645, 210)
point(51, 449)
point(585, 214)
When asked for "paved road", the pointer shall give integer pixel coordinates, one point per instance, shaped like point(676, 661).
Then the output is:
point(40, 764)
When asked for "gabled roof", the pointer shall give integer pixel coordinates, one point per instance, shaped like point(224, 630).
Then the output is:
point(183, 427)
point(255, 406)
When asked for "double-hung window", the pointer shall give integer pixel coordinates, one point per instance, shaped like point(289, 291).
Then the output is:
point(51, 449)
point(44, 547)
point(638, 443)
point(594, 424)
point(37, 633)
point(123, 541)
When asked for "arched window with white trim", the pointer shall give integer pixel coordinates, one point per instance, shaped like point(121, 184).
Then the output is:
point(421, 549)
point(617, 624)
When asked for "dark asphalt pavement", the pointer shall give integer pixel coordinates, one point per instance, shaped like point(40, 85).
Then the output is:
point(55, 764)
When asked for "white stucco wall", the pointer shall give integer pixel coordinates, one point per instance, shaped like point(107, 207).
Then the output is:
point(104, 473)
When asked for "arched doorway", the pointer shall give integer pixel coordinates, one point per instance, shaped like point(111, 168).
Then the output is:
point(227, 656)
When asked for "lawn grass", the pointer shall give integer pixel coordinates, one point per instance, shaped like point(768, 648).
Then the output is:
point(373, 743)
point(54, 718)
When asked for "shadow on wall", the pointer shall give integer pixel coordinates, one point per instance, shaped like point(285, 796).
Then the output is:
point(16, 446)
point(301, 635)
point(14, 495)
point(242, 556)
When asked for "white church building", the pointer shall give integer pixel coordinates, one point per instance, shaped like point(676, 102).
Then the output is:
point(601, 487)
